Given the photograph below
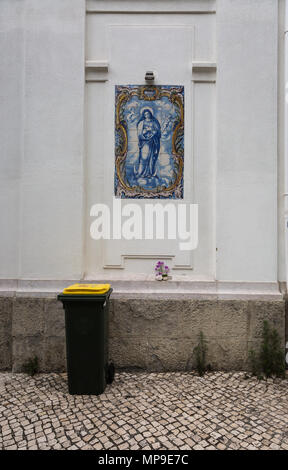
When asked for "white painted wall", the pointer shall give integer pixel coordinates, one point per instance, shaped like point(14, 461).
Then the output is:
point(281, 134)
point(42, 187)
point(11, 112)
point(247, 140)
point(42, 75)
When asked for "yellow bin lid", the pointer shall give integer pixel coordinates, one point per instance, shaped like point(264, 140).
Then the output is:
point(93, 289)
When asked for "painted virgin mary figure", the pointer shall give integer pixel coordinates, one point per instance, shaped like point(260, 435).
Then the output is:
point(149, 134)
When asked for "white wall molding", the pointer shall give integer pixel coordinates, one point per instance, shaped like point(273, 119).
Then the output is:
point(152, 6)
point(204, 71)
point(139, 256)
point(96, 70)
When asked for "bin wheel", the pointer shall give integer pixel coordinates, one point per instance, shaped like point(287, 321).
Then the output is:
point(110, 372)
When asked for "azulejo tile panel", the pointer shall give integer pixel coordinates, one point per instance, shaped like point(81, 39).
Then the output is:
point(149, 141)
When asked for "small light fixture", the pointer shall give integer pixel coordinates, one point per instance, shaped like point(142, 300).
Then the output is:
point(149, 76)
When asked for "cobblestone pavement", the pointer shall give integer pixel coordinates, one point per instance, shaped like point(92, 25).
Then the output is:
point(145, 411)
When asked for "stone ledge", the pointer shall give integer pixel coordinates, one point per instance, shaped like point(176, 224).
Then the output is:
point(139, 285)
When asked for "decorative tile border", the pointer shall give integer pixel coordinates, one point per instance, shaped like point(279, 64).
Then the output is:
point(149, 141)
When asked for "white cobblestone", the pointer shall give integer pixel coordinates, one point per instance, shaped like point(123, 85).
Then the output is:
point(145, 411)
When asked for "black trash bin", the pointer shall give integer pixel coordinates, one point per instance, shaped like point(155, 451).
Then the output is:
point(86, 323)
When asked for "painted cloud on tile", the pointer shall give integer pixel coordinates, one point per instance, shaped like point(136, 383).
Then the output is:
point(149, 141)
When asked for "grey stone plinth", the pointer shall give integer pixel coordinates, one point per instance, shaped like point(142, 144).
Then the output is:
point(148, 317)
point(154, 334)
point(6, 304)
point(128, 352)
point(286, 323)
point(25, 348)
point(54, 354)
point(54, 336)
point(161, 334)
point(28, 317)
point(38, 330)
point(54, 316)
point(273, 312)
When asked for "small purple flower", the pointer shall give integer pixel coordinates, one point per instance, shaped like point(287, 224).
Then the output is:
point(161, 269)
